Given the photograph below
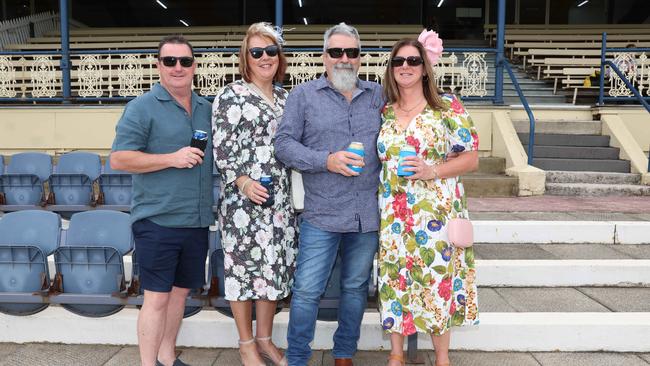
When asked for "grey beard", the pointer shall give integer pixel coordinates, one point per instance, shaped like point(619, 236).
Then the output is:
point(344, 77)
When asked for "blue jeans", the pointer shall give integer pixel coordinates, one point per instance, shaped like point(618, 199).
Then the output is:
point(316, 257)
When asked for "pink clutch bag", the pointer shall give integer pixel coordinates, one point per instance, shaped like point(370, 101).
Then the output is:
point(461, 232)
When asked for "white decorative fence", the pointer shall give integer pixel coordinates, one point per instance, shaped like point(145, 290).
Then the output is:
point(636, 69)
point(16, 31)
point(129, 75)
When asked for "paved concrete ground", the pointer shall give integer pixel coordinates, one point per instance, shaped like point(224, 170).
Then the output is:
point(561, 251)
point(556, 215)
point(639, 205)
point(95, 355)
point(563, 299)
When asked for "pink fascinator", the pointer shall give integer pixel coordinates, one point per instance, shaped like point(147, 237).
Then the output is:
point(432, 44)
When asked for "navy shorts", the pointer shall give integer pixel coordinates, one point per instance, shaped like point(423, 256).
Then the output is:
point(170, 256)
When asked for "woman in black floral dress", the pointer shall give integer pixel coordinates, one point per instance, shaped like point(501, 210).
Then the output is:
point(259, 242)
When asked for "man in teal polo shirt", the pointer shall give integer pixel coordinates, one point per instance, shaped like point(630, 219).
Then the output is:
point(172, 196)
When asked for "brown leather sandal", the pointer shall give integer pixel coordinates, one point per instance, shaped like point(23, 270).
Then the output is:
point(394, 357)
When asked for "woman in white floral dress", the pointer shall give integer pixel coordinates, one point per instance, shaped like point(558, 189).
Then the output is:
point(259, 242)
point(425, 284)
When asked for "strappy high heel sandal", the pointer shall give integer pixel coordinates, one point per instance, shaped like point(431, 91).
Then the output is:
point(247, 344)
point(268, 356)
point(399, 358)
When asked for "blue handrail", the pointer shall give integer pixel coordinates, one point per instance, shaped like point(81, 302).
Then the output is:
point(531, 117)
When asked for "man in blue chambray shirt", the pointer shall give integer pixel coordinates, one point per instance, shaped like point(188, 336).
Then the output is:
point(321, 118)
point(172, 196)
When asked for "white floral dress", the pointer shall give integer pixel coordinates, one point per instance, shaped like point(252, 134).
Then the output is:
point(259, 243)
point(425, 285)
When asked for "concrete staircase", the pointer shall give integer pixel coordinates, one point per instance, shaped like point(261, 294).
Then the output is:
point(490, 180)
point(570, 152)
point(579, 161)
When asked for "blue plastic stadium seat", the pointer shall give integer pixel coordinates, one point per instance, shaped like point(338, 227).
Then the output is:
point(216, 274)
point(26, 239)
point(115, 186)
point(72, 183)
point(91, 260)
point(22, 182)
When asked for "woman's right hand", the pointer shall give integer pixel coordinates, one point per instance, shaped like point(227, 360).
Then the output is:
point(252, 189)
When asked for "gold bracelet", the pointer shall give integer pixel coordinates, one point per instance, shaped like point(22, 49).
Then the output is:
point(246, 183)
point(435, 172)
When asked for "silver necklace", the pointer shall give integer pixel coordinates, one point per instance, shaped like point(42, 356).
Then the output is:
point(411, 109)
point(270, 102)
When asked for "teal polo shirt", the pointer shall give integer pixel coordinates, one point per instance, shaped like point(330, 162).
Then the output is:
point(155, 123)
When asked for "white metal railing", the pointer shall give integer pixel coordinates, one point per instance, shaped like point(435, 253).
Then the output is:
point(17, 30)
point(129, 75)
point(636, 69)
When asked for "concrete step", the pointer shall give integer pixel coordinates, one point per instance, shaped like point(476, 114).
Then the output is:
point(490, 185)
point(518, 331)
point(591, 165)
point(490, 180)
point(612, 231)
point(560, 127)
point(575, 152)
point(553, 273)
point(491, 165)
point(554, 176)
point(599, 190)
point(549, 139)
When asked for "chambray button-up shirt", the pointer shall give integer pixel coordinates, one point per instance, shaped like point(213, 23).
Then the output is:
point(317, 121)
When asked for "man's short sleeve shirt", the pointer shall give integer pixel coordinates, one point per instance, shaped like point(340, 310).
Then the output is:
point(155, 123)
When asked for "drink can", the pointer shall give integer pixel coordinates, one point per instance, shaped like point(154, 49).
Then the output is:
point(357, 148)
point(199, 139)
point(267, 182)
point(407, 150)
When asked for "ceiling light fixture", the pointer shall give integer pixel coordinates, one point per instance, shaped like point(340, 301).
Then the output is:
point(583, 3)
point(440, 3)
point(161, 4)
point(300, 3)
point(305, 21)
point(183, 22)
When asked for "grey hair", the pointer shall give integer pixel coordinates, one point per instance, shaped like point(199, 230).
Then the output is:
point(344, 29)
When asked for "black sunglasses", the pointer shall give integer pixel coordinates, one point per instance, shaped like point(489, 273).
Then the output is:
point(338, 52)
point(271, 51)
point(411, 61)
point(170, 61)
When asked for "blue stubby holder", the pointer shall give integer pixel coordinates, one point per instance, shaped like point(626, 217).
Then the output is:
point(356, 148)
point(267, 182)
point(400, 168)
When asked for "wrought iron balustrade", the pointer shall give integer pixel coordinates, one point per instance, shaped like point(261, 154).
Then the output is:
point(115, 75)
